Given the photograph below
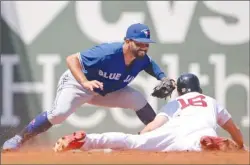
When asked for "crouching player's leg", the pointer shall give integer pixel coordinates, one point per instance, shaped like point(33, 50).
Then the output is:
point(127, 98)
point(67, 100)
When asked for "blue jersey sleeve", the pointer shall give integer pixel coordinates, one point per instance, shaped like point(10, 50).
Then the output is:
point(91, 57)
point(154, 70)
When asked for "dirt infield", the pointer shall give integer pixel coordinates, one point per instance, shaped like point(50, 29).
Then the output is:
point(123, 157)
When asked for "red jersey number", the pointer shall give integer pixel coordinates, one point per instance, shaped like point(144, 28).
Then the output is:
point(194, 101)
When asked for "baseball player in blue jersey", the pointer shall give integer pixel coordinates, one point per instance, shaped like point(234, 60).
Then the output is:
point(99, 76)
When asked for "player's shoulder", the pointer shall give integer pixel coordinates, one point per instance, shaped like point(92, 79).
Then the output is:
point(208, 98)
point(104, 49)
point(111, 48)
point(170, 108)
point(172, 104)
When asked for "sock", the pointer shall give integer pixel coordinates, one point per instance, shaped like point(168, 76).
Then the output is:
point(146, 114)
point(36, 126)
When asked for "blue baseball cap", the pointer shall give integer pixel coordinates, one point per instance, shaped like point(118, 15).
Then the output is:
point(139, 32)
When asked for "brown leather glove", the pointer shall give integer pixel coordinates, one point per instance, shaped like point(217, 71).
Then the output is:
point(164, 89)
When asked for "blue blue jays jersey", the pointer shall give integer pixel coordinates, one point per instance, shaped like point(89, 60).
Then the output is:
point(105, 63)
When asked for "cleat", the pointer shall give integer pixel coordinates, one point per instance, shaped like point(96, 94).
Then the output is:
point(12, 144)
point(70, 142)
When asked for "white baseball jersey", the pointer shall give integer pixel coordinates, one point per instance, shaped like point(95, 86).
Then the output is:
point(191, 116)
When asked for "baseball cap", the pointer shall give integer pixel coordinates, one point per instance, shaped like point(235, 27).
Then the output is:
point(139, 32)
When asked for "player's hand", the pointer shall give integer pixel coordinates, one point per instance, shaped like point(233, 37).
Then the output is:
point(90, 85)
point(245, 148)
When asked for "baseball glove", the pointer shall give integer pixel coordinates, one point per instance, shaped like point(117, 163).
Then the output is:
point(164, 89)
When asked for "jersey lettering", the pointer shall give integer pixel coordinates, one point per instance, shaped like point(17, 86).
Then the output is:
point(128, 79)
point(111, 76)
point(194, 101)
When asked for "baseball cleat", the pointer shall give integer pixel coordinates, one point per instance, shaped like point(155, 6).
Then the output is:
point(211, 143)
point(13, 144)
point(70, 142)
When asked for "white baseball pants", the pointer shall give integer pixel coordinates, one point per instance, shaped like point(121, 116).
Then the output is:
point(165, 138)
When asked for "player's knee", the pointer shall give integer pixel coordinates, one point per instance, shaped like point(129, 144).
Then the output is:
point(137, 100)
point(57, 116)
point(56, 119)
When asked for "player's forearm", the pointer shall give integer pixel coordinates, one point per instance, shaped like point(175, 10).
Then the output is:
point(154, 70)
point(147, 128)
point(75, 67)
point(156, 123)
point(237, 137)
point(234, 131)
